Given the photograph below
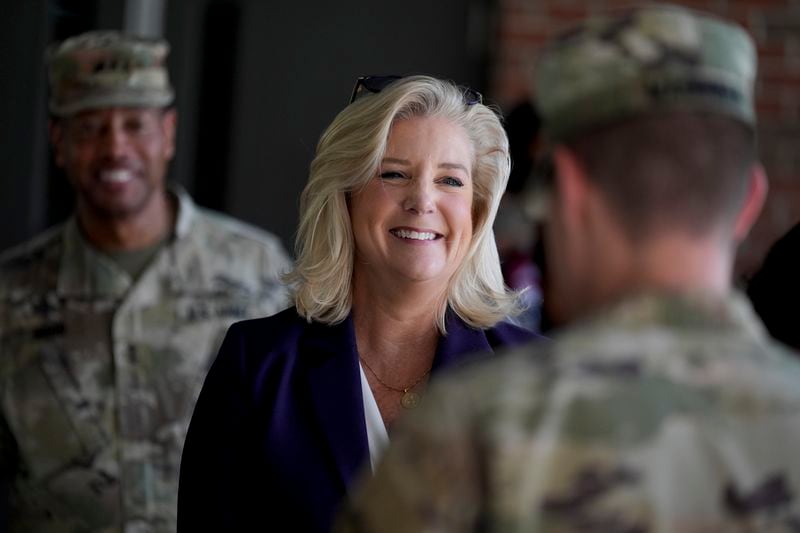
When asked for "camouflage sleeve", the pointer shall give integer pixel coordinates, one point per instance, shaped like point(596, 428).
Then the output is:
point(428, 480)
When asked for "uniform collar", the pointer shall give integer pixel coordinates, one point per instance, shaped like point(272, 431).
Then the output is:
point(85, 271)
point(689, 311)
point(187, 210)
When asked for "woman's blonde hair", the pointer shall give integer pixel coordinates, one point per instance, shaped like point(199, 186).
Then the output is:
point(349, 154)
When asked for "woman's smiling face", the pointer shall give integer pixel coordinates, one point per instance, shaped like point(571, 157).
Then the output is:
point(413, 220)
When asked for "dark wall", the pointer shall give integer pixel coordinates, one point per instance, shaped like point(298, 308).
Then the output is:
point(295, 78)
point(256, 84)
point(23, 29)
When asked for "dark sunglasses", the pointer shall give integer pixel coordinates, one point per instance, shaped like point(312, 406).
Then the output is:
point(376, 84)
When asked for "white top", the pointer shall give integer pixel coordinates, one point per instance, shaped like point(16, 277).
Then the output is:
point(377, 436)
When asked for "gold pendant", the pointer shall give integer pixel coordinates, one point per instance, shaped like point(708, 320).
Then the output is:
point(409, 400)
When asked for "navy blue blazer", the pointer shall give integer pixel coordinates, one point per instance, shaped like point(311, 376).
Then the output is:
point(278, 432)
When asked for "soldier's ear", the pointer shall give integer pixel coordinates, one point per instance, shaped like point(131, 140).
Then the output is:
point(55, 128)
point(756, 195)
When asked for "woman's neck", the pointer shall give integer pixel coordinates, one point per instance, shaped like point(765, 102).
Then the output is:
point(394, 325)
point(396, 339)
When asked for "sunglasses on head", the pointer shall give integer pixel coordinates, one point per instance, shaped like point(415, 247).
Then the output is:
point(375, 84)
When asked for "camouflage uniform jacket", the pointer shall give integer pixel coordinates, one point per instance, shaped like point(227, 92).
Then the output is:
point(663, 414)
point(99, 375)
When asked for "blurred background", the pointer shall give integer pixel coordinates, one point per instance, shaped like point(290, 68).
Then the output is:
point(257, 81)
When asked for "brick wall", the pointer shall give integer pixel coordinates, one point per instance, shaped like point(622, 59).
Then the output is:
point(774, 24)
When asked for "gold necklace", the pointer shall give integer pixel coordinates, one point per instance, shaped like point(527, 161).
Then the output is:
point(410, 399)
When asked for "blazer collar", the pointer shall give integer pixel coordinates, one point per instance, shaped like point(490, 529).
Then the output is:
point(335, 383)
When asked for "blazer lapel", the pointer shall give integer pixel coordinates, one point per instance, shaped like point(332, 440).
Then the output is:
point(335, 391)
point(335, 384)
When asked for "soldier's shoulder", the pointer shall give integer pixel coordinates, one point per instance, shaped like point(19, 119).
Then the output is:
point(23, 260)
point(238, 248)
point(224, 228)
point(33, 249)
point(774, 372)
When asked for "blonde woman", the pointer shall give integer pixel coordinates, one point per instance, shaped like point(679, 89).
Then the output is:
point(397, 278)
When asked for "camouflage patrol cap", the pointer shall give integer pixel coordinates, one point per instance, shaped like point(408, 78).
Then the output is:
point(649, 59)
point(108, 69)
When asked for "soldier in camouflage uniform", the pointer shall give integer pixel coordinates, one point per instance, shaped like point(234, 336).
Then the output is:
point(109, 322)
point(661, 405)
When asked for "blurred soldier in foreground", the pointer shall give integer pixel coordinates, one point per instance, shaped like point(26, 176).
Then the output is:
point(664, 405)
point(109, 322)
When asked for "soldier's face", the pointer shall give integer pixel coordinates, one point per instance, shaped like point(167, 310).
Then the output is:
point(116, 158)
